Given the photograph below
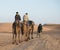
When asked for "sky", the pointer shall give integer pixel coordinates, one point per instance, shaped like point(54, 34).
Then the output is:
point(39, 11)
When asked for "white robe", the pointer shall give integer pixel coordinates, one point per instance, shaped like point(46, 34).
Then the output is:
point(25, 18)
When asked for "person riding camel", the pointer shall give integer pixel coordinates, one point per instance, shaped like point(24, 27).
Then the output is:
point(17, 18)
point(25, 17)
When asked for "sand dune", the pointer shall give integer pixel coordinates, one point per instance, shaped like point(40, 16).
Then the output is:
point(5, 27)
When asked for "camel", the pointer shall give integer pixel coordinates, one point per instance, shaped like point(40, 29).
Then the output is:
point(27, 29)
point(16, 32)
point(24, 28)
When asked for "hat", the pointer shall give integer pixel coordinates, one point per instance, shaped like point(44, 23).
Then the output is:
point(26, 13)
point(16, 12)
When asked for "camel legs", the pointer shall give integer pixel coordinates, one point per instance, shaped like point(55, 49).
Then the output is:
point(28, 35)
point(19, 36)
point(16, 37)
point(13, 39)
point(31, 34)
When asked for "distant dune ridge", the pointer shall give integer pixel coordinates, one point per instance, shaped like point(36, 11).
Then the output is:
point(7, 27)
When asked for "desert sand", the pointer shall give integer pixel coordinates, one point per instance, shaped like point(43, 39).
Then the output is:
point(49, 39)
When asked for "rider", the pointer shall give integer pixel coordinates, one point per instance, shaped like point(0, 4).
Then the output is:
point(17, 17)
point(25, 17)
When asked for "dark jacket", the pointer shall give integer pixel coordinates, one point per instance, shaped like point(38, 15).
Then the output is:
point(17, 17)
point(39, 28)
